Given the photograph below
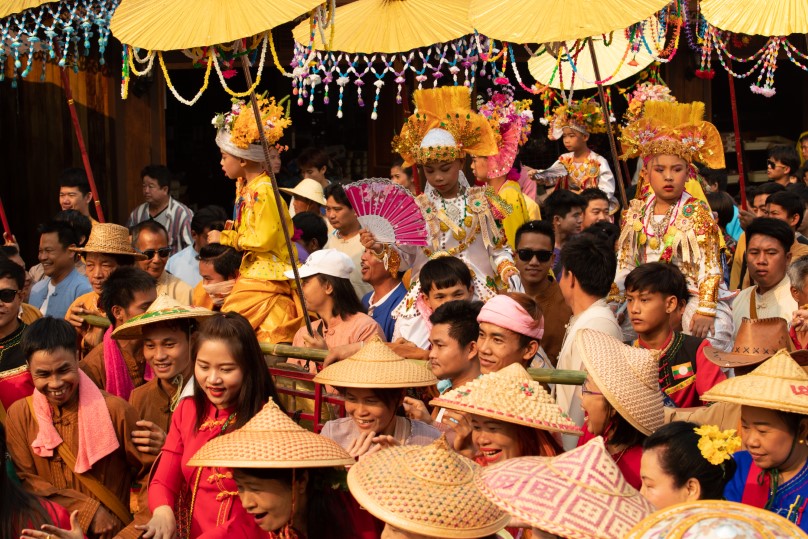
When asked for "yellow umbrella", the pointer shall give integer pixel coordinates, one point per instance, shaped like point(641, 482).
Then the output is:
point(10, 7)
point(758, 17)
point(390, 26)
point(163, 25)
point(542, 21)
point(615, 61)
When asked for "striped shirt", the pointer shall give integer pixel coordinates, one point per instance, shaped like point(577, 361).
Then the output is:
point(176, 218)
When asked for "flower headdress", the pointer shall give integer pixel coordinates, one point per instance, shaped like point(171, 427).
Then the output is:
point(511, 121)
point(674, 129)
point(237, 130)
point(645, 92)
point(444, 128)
point(584, 116)
point(717, 446)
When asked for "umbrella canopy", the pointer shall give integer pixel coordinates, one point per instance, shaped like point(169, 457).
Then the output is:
point(758, 17)
point(390, 26)
point(543, 21)
point(164, 25)
point(10, 7)
point(616, 63)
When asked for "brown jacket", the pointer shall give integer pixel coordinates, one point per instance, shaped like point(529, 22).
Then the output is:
point(93, 366)
point(51, 478)
point(556, 316)
point(152, 402)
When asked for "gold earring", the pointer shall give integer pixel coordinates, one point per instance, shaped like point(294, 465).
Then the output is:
point(801, 442)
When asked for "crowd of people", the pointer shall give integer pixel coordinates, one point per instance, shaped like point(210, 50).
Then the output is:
point(551, 363)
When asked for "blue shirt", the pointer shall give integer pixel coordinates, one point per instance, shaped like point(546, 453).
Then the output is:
point(381, 312)
point(71, 287)
point(185, 266)
point(789, 499)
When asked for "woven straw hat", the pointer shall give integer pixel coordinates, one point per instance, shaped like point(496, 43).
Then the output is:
point(163, 308)
point(271, 440)
point(715, 519)
point(756, 341)
point(778, 384)
point(377, 366)
point(427, 490)
point(109, 239)
point(509, 395)
point(308, 189)
point(628, 377)
point(581, 494)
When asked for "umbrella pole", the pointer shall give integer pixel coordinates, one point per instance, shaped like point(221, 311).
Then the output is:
point(612, 144)
point(245, 65)
point(82, 148)
point(737, 127)
point(7, 229)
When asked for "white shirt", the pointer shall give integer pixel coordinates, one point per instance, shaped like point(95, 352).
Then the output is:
point(600, 318)
point(185, 266)
point(776, 302)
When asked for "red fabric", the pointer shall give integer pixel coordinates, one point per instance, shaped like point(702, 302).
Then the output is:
point(15, 387)
point(173, 476)
point(793, 334)
point(628, 463)
point(754, 493)
point(708, 374)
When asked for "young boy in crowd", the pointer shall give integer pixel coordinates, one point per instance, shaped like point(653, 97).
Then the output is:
point(654, 293)
point(565, 211)
point(452, 354)
point(442, 280)
point(119, 367)
point(782, 164)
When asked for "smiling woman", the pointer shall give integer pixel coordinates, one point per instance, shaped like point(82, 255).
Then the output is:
point(231, 383)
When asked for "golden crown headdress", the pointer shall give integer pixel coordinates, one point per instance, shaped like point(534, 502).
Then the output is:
point(444, 128)
point(583, 115)
point(674, 129)
point(237, 130)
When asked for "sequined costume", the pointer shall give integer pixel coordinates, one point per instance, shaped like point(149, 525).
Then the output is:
point(686, 235)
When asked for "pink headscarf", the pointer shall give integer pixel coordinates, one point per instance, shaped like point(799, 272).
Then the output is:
point(505, 312)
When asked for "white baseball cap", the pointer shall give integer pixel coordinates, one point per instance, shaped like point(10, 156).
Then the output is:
point(326, 261)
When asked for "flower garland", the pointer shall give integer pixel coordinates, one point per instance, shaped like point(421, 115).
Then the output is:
point(215, 59)
point(171, 86)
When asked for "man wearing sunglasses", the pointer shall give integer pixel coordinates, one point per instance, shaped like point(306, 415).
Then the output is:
point(150, 239)
point(15, 380)
point(782, 163)
point(534, 258)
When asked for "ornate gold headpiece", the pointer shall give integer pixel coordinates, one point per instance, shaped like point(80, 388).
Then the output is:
point(674, 129)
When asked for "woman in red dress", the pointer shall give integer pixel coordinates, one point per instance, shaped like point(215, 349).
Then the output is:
point(231, 384)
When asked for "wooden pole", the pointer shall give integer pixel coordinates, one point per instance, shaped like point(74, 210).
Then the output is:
point(82, 148)
point(618, 172)
point(245, 65)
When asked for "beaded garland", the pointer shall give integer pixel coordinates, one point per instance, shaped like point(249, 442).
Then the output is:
point(63, 30)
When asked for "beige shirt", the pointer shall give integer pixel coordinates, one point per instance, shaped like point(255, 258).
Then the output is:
point(600, 318)
point(174, 287)
point(776, 302)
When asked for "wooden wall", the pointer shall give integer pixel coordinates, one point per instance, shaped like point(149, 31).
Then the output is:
point(37, 141)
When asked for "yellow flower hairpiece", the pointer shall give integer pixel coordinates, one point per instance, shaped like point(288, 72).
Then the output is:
point(716, 445)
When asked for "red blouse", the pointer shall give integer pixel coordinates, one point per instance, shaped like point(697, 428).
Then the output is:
point(210, 494)
point(628, 460)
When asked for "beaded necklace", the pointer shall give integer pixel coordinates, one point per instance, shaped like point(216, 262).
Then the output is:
point(660, 228)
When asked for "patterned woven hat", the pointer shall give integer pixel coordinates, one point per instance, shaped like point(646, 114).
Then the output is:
point(509, 395)
point(163, 308)
point(778, 384)
point(271, 440)
point(627, 376)
point(581, 494)
point(109, 239)
point(377, 366)
point(427, 490)
point(715, 519)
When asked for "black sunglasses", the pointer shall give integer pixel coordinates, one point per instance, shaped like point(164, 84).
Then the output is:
point(772, 164)
point(526, 255)
point(7, 295)
point(162, 252)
